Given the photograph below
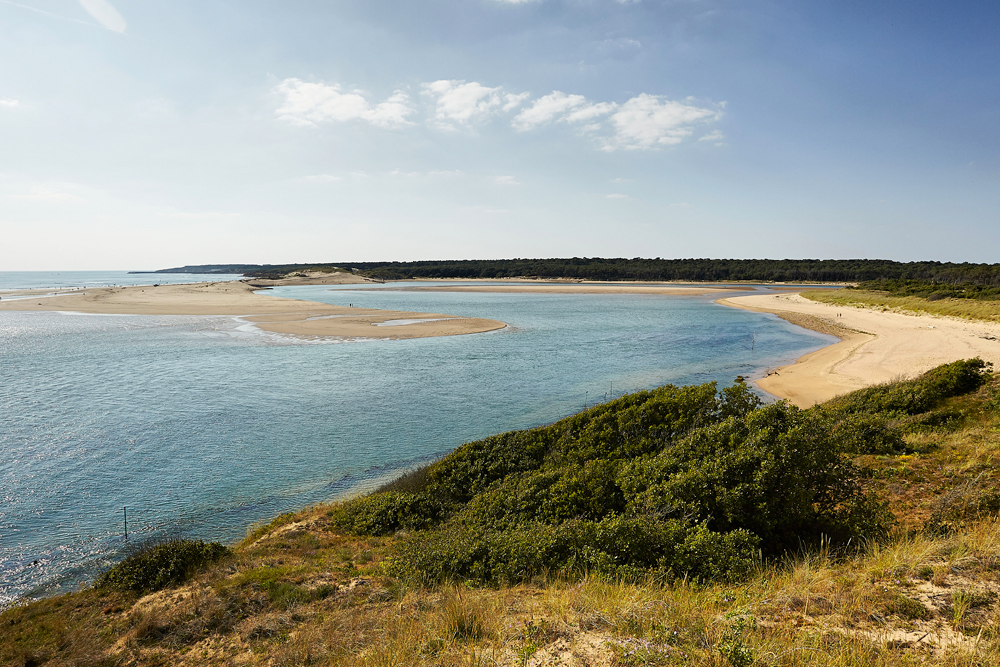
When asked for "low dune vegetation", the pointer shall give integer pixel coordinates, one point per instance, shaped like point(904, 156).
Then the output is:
point(967, 300)
point(678, 526)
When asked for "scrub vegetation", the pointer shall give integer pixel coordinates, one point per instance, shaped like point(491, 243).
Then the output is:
point(678, 526)
point(968, 302)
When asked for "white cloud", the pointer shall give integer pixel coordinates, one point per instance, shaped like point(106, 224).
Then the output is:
point(315, 103)
point(590, 111)
point(512, 101)
point(616, 196)
point(105, 14)
point(647, 121)
point(546, 108)
point(461, 102)
point(643, 122)
point(620, 180)
point(9, 104)
point(506, 180)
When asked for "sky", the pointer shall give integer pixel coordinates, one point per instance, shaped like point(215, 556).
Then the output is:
point(141, 135)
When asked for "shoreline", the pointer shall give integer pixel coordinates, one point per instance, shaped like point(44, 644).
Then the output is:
point(294, 317)
point(874, 346)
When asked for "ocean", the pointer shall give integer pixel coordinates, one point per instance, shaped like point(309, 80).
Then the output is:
point(203, 426)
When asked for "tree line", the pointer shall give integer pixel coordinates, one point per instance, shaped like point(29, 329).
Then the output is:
point(619, 269)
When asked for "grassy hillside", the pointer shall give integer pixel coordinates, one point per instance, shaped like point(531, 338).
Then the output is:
point(680, 526)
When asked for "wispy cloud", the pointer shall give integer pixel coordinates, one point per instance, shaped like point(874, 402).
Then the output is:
point(616, 196)
point(715, 136)
point(8, 103)
point(315, 103)
point(460, 102)
point(649, 121)
point(506, 180)
point(105, 14)
point(559, 105)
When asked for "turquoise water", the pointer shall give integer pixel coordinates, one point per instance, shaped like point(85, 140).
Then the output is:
point(202, 426)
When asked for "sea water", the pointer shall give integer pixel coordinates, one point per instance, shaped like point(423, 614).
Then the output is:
point(202, 426)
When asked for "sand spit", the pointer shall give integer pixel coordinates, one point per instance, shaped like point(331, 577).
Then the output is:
point(875, 346)
point(285, 316)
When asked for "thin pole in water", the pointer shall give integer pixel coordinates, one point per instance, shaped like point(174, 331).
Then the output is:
point(125, 512)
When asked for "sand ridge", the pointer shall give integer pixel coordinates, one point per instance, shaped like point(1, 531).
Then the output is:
point(875, 346)
point(238, 298)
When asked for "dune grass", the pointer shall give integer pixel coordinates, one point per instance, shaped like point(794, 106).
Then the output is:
point(969, 309)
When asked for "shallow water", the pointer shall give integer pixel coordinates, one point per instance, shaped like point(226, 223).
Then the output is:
point(203, 426)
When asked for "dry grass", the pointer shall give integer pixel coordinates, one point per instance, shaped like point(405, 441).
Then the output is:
point(969, 309)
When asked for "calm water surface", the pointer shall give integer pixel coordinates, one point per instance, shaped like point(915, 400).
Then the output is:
point(203, 426)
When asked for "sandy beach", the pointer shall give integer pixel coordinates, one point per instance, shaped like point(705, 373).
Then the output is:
point(874, 347)
point(286, 316)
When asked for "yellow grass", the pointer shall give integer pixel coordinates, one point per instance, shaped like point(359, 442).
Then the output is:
point(964, 308)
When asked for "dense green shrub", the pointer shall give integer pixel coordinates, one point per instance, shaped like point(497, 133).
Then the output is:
point(616, 546)
point(551, 495)
point(385, 513)
point(911, 397)
point(158, 566)
point(684, 481)
point(777, 473)
point(867, 434)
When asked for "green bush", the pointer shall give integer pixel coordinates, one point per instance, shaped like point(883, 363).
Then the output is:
point(912, 397)
point(385, 513)
point(615, 546)
point(868, 434)
point(682, 481)
point(778, 473)
point(158, 566)
point(551, 495)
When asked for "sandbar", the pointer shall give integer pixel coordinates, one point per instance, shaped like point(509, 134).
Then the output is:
point(875, 346)
point(238, 298)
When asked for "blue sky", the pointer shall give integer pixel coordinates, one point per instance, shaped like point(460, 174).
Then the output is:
point(139, 135)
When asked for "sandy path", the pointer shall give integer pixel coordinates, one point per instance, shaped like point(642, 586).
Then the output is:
point(875, 346)
point(287, 316)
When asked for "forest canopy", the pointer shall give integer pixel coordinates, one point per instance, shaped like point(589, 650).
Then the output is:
point(614, 269)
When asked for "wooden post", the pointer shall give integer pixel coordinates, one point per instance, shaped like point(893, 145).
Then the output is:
point(125, 512)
